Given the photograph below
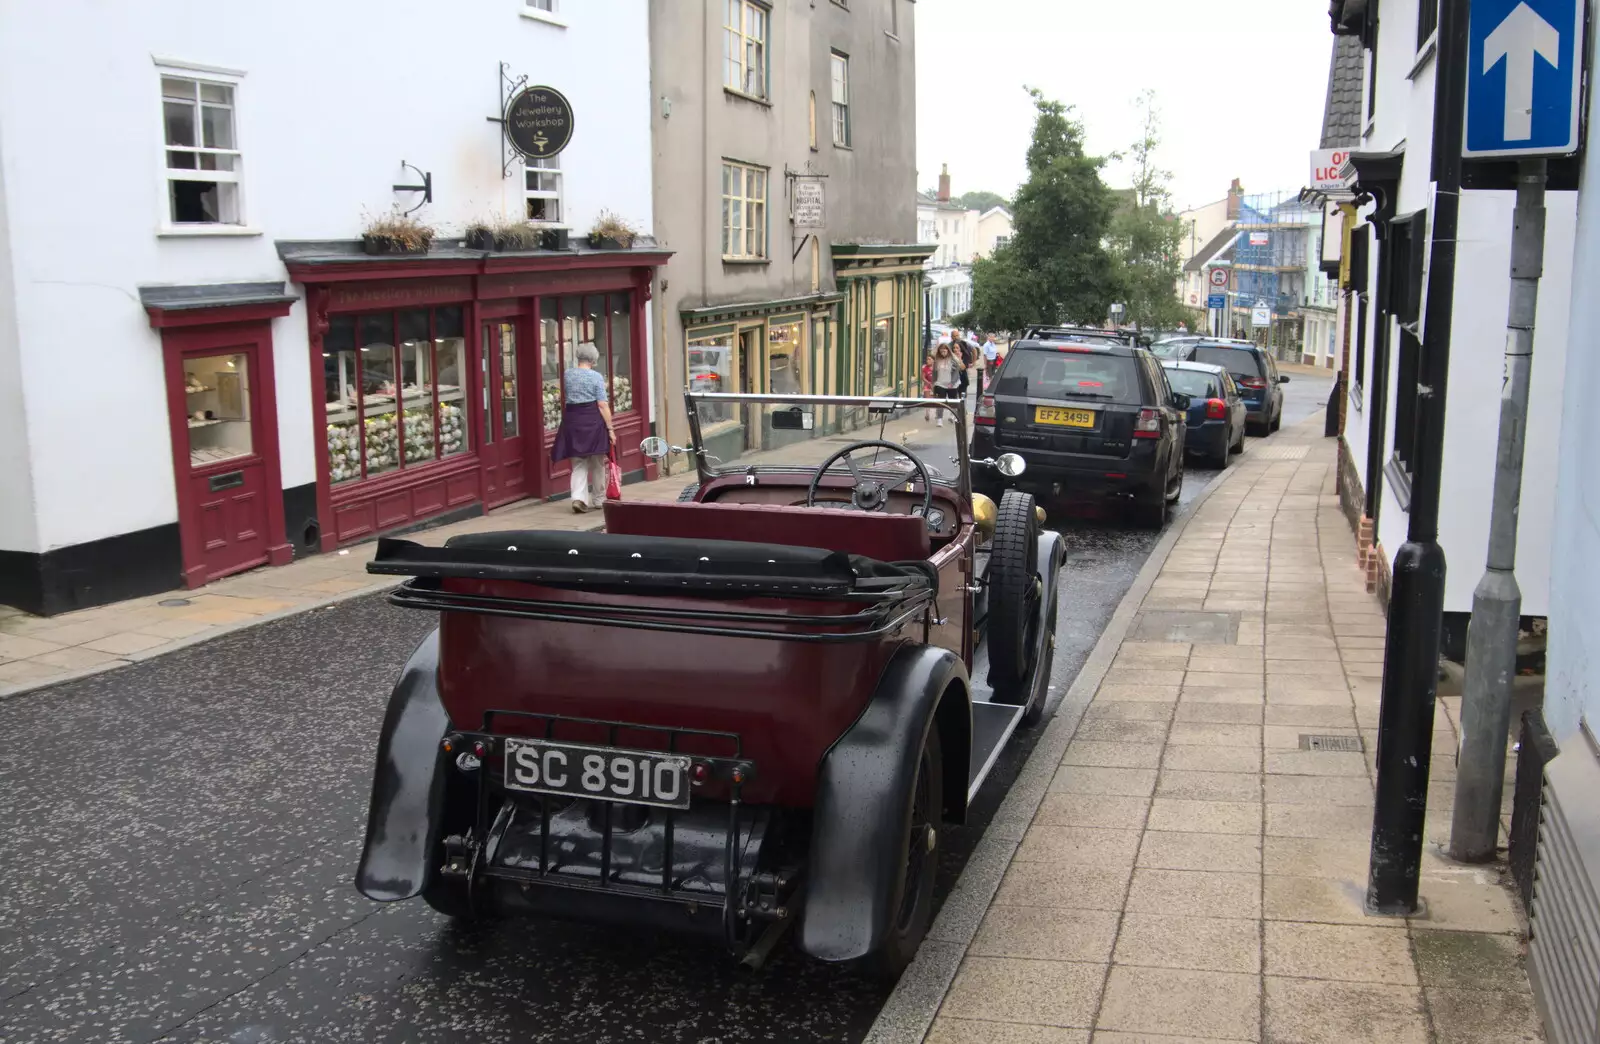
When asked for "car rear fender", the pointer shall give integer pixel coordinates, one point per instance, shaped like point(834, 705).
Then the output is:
point(863, 803)
point(406, 812)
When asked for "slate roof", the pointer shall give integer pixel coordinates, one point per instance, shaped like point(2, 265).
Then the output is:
point(1341, 113)
point(1212, 249)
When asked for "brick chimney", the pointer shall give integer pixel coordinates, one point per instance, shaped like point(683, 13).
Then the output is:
point(944, 183)
point(1235, 195)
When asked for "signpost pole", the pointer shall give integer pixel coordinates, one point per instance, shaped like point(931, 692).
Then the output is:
point(1416, 602)
point(1497, 602)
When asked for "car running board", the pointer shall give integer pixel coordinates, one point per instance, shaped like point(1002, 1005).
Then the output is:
point(992, 726)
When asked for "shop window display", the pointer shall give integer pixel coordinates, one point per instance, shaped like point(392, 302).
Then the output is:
point(882, 339)
point(565, 323)
point(217, 403)
point(393, 391)
point(785, 362)
point(711, 370)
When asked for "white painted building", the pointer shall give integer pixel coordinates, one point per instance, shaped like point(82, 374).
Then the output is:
point(1565, 928)
point(994, 230)
point(1392, 160)
point(183, 296)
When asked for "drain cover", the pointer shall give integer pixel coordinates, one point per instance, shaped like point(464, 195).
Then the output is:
point(1351, 744)
point(1176, 626)
point(174, 603)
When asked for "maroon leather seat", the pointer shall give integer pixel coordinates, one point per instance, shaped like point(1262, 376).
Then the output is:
point(888, 538)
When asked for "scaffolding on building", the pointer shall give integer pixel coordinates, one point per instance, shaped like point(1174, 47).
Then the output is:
point(1273, 256)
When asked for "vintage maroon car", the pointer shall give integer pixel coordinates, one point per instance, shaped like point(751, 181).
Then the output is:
point(747, 711)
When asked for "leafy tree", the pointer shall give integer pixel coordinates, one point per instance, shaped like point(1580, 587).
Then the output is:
point(981, 200)
point(1056, 268)
point(1146, 236)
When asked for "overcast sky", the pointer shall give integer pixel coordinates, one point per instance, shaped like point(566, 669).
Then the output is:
point(1240, 85)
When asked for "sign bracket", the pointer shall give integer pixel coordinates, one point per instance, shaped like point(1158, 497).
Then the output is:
point(508, 90)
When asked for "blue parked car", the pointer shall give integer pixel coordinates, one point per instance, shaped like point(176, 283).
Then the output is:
point(1255, 372)
point(1217, 412)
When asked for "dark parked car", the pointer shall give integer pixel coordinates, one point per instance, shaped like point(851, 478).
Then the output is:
point(1216, 410)
point(1256, 373)
point(1091, 420)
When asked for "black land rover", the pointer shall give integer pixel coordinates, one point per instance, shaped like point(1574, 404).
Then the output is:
point(1093, 421)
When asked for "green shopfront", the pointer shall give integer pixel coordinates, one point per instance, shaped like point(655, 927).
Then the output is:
point(860, 339)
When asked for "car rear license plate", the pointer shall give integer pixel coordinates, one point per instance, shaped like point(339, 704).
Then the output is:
point(634, 777)
point(1063, 417)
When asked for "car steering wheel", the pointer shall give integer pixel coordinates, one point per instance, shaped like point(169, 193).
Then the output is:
point(871, 492)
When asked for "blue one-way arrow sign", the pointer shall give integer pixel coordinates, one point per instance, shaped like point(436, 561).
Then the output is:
point(1524, 71)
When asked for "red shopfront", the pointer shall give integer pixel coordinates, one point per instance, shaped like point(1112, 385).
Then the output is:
point(437, 382)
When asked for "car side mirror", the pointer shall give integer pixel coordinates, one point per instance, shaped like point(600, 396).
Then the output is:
point(1180, 401)
point(1010, 465)
point(1283, 378)
point(657, 448)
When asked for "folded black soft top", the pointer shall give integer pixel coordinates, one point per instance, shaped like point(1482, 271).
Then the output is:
point(623, 561)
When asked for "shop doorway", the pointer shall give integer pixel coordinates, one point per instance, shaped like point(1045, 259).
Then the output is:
point(224, 449)
point(502, 453)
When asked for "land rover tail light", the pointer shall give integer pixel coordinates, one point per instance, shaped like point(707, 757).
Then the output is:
point(985, 412)
point(1216, 409)
point(1148, 426)
point(1252, 382)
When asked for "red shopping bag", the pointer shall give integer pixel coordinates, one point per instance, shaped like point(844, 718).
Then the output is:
point(613, 476)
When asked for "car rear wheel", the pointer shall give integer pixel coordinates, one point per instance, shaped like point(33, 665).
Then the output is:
point(913, 900)
point(1238, 446)
point(1150, 510)
point(690, 491)
point(1012, 589)
point(1277, 420)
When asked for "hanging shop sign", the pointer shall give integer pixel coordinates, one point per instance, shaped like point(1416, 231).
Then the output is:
point(538, 122)
point(809, 211)
point(1258, 239)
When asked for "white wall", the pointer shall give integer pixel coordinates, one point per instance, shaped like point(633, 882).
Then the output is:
point(17, 528)
point(334, 97)
point(1572, 670)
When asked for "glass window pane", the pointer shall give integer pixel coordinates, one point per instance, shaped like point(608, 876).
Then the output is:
point(182, 161)
point(710, 369)
point(416, 385)
point(882, 338)
point(378, 388)
point(550, 370)
point(213, 162)
point(508, 380)
point(216, 93)
point(449, 322)
point(179, 118)
point(784, 359)
point(173, 87)
point(621, 343)
point(217, 123)
point(450, 361)
point(217, 399)
point(341, 399)
point(571, 311)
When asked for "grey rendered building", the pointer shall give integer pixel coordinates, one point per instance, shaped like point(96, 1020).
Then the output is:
point(757, 107)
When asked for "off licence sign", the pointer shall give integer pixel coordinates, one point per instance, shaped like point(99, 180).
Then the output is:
point(1325, 167)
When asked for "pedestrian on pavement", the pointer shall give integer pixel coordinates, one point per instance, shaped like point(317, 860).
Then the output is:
point(586, 435)
point(927, 383)
point(947, 374)
point(963, 353)
point(991, 362)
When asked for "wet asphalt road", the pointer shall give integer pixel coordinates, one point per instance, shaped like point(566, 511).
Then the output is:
point(182, 835)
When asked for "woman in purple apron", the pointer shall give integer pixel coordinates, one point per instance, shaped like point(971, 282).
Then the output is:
point(586, 434)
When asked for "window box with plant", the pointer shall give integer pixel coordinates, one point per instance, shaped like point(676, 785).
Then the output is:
point(396, 233)
point(611, 232)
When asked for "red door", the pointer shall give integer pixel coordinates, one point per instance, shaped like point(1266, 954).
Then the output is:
point(222, 462)
point(504, 473)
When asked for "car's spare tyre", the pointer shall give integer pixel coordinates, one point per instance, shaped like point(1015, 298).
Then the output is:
point(1013, 588)
point(690, 491)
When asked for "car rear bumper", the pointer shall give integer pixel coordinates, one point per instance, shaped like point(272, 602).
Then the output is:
point(1208, 439)
point(1051, 474)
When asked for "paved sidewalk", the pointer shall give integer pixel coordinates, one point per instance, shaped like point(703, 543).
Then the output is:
point(38, 651)
point(1194, 873)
